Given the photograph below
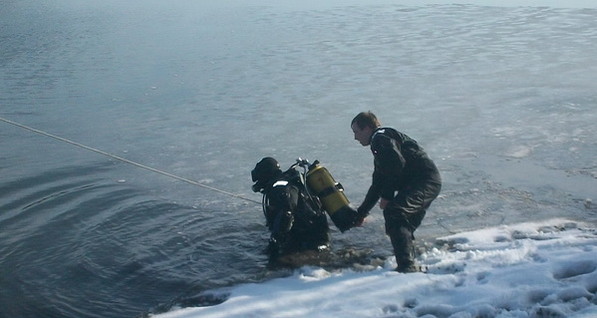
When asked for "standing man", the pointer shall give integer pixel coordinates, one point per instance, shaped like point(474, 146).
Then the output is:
point(405, 179)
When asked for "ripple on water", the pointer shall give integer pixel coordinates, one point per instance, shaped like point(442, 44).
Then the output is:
point(90, 247)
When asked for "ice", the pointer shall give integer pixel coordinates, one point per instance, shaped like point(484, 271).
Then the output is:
point(536, 269)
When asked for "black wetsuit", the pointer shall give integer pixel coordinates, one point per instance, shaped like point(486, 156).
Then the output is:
point(294, 219)
point(406, 177)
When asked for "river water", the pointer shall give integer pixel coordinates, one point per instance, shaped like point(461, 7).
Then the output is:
point(504, 98)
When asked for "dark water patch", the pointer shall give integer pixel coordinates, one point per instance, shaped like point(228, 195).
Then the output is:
point(87, 246)
point(48, 177)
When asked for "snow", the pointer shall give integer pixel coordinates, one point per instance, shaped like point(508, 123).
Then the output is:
point(538, 269)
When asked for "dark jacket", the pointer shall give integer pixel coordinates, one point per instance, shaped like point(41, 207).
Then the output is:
point(295, 220)
point(400, 164)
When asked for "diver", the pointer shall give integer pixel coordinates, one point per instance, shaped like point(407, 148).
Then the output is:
point(293, 216)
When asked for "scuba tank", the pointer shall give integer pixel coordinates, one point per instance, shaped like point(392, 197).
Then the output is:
point(331, 194)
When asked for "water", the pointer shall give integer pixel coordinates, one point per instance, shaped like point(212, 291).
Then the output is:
point(503, 98)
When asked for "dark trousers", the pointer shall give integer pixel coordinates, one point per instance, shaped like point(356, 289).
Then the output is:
point(403, 215)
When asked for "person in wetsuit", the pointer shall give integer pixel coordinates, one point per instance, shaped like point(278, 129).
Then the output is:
point(294, 218)
point(405, 179)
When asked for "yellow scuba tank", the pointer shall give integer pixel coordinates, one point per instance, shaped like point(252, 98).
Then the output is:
point(332, 197)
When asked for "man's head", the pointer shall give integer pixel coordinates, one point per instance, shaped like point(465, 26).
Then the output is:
point(264, 171)
point(363, 126)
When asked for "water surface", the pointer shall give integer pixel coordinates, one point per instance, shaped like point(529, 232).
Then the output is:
point(503, 98)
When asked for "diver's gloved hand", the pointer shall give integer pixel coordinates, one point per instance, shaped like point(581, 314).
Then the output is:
point(273, 248)
point(345, 218)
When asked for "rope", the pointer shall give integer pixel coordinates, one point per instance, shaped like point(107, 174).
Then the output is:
point(136, 164)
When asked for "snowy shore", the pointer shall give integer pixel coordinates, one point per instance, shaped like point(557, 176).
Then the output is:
point(539, 269)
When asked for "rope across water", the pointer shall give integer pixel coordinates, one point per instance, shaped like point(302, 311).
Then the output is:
point(136, 164)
